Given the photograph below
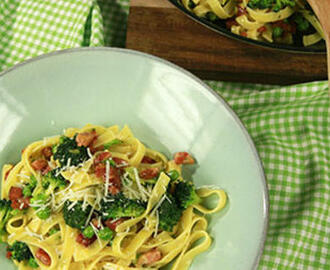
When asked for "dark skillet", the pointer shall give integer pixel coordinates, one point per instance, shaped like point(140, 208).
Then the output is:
point(220, 28)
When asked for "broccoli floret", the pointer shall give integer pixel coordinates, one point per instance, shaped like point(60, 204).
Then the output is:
point(68, 152)
point(106, 234)
point(260, 4)
point(88, 232)
point(6, 213)
point(77, 215)
point(280, 4)
point(20, 251)
point(185, 194)
point(52, 181)
point(4, 208)
point(29, 188)
point(38, 202)
point(169, 213)
point(118, 206)
point(33, 263)
point(275, 5)
point(302, 23)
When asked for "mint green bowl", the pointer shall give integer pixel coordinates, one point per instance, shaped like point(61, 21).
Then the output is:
point(167, 108)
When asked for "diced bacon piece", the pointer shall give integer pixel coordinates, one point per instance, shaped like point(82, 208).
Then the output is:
point(96, 149)
point(148, 160)
point(149, 257)
point(112, 224)
point(17, 199)
point(244, 34)
point(230, 23)
point(46, 170)
point(120, 162)
point(21, 203)
point(43, 257)
point(262, 29)
point(96, 223)
point(149, 173)
point(114, 177)
point(47, 152)
point(241, 11)
point(86, 138)
point(114, 181)
point(113, 189)
point(100, 170)
point(39, 164)
point(183, 158)
point(24, 202)
point(91, 145)
point(15, 193)
point(8, 254)
point(102, 156)
point(15, 204)
point(81, 239)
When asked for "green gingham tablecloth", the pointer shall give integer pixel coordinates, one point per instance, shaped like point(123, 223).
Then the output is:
point(289, 125)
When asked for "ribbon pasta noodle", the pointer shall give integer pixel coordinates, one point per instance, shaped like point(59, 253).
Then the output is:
point(97, 198)
point(279, 21)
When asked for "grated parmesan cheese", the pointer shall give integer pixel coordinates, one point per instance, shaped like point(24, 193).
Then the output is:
point(39, 236)
point(89, 153)
point(143, 192)
point(96, 233)
point(158, 204)
point(107, 172)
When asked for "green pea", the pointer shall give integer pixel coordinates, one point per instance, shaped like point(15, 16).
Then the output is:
point(105, 234)
point(88, 232)
point(174, 175)
point(53, 231)
point(211, 16)
point(44, 213)
point(277, 32)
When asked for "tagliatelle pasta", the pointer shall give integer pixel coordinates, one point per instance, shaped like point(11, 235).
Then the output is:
point(280, 21)
point(98, 198)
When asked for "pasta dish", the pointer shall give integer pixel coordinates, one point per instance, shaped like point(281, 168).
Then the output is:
point(97, 198)
point(279, 21)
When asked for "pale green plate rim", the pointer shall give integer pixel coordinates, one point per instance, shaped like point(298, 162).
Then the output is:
point(207, 88)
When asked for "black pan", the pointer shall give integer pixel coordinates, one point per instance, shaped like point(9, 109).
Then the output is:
point(220, 28)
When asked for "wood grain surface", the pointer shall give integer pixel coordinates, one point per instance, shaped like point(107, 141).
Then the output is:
point(321, 9)
point(158, 28)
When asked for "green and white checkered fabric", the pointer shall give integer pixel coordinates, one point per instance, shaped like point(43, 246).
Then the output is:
point(289, 125)
point(290, 128)
point(32, 27)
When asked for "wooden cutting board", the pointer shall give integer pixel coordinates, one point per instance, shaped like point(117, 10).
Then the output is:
point(158, 28)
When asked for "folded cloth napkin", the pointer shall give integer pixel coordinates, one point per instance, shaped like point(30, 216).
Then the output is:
point(289, 125)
